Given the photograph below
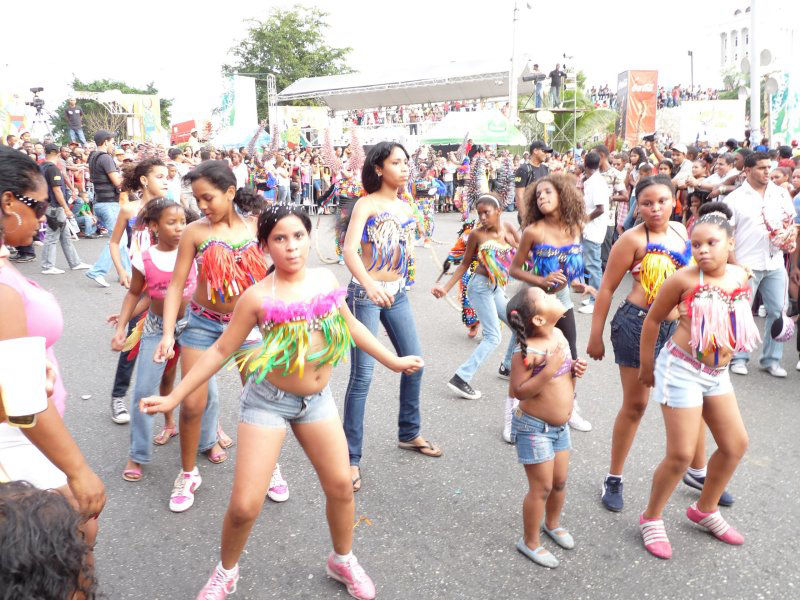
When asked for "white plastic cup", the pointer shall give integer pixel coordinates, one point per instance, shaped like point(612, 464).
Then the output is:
point(23, 376)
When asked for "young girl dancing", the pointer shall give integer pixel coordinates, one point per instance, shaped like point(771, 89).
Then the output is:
point(542, 378)
point(492, 244)
point(550, 257)
point(455, 257)
point(228, 262)
point(306, 331)
point(651, 251)
point(691, 380)
point(378, 250)
point(165, 220)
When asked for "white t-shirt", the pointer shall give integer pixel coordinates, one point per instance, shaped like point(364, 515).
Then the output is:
point(753, 248)
point(596, 193)
point(240, 172)
point(164, 261)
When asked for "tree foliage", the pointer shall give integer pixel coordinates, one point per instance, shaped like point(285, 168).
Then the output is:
point(290, 44)
point(95, 116)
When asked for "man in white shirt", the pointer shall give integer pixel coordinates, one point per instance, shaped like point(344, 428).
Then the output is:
point(239, 170)
point(596, 196)
point(755, 203)
point(617, 193)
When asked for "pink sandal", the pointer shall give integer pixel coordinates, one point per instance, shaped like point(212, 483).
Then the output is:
point(132, 475)
point(223, 438)
point(166, 434)
point(216, 457)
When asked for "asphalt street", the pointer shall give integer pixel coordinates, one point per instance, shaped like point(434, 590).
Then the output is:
point(433, 528)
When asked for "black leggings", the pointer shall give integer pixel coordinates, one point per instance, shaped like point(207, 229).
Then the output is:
point(567, 326)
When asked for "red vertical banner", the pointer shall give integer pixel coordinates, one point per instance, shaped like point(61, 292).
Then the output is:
point(640, 106)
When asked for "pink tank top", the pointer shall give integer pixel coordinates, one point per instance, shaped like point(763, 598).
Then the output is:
point(158, 280)
point(44, 320)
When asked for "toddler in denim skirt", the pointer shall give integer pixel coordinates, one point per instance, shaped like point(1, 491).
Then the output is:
point(542, 378)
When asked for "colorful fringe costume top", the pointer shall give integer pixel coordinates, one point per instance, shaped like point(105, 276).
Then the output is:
point(287, 331)
point(546, 259)
point(458, 249)
point(659, 262)
point(719, 319)
point(229, 269)
point(388, 234)
point(496, 258)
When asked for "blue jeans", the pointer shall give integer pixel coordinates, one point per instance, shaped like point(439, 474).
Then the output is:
point(86, 224)
point(148, 381)
point(538, 92)
point(489, 303)
point(772, 285)
point(591, 258)
point(77, 134)
point(107, 213)
point(399, 324)
point(630, 220)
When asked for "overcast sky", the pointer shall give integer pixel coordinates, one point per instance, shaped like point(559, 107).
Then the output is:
point(180, 45)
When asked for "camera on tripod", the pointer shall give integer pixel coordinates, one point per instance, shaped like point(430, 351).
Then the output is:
point(37, 102)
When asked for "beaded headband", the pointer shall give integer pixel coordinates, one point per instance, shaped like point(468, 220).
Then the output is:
point(716, 216)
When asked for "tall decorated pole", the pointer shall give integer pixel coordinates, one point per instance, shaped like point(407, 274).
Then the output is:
point(755, 76)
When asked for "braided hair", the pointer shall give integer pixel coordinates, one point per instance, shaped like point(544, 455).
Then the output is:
point(520, 312)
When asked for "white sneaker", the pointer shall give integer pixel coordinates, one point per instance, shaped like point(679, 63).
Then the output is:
point(739, 368)
point(278, 488)
point(762, 311)
point(775, 370)
point(183, 490)
point(797, 366)
point(586, 309)
point(52, 271)
point(585, 301)
point(578, 423)
point(101, 281)
point(81, 267)
point(511, 404)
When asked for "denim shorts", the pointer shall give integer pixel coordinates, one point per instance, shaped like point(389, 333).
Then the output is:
point(266, 405)
point(626, 331)
point(683, 382)
point(200, 333)
point(537, 441)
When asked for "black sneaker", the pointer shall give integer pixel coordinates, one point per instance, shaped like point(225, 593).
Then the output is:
point(23, 258)
point(462, 388)
point(698, 482)
point(503, 373)
point(119, 413)
point(612, 494)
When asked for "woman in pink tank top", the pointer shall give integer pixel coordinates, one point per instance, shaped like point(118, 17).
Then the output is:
point(45, 454)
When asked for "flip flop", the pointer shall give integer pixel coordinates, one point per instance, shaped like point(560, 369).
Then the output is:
point(216, 457)
point(223, 439)
point(132, 475)
point(166, 434)
point(357, 481)
point(427, 449)
point(473, 331)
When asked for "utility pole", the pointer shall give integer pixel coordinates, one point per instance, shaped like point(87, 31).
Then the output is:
point(512, 73)
point(755, 77)
point(691, 62)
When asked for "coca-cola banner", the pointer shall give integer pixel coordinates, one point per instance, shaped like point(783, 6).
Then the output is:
point(636, 92)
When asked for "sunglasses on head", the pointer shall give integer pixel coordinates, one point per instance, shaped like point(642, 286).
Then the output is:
point(37, 207)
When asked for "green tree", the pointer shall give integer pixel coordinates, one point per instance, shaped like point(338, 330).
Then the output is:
point(589, 124)
point(290, 44)
point(95, 116)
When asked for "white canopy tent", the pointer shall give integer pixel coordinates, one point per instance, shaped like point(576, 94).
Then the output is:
point(435, 83)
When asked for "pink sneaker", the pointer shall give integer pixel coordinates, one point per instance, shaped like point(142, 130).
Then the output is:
point(183, 489)
point(219, 584)
point(655, 537)
point(358, 583)
point(714, 524)
point(278, 488)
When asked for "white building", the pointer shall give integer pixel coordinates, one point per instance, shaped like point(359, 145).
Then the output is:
point(778, 27)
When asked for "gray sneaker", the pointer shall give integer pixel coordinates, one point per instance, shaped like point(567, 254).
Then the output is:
point(119, 413)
